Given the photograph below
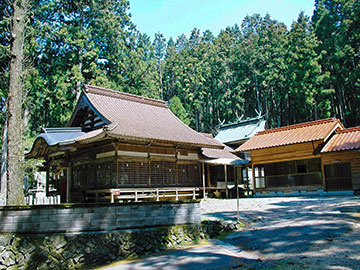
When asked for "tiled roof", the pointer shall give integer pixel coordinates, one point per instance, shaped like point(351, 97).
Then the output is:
point(299, 133)
point(54, 136)
point(346, 139)
point(139, 118)
point(241, 130)
point(226, 152)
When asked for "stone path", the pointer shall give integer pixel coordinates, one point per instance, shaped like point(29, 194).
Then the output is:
point(283, 233)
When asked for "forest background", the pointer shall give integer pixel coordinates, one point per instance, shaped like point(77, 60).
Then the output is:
point(310, 71)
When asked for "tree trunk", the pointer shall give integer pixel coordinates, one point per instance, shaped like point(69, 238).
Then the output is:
point(3, 186)
point(15, 190)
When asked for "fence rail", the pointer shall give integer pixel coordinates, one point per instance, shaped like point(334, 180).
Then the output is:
point(140, 194)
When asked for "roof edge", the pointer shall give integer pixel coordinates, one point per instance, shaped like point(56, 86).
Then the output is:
point(122, 95)
point(280, 145)
point(346, 130)
point(214, 146)
point(300, 125)
point(253, 119)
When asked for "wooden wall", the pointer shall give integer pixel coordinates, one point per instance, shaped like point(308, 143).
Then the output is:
point(135, 166)
point(352, 157)
point(284, 153)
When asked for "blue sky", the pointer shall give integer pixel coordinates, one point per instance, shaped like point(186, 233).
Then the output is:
point(174, 17)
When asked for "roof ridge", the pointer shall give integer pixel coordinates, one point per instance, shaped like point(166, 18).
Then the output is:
point(300, 125)
point(346, 130)
point(253, 119)
point(60, 129)
point(122, 95)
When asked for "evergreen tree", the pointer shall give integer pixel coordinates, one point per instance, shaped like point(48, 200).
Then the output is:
point(307, 99)
point(336, 24)
point(178, 109)
point(15, 191)
point(160, 50)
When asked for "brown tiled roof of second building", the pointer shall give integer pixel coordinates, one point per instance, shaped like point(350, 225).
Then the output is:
point(346, 139)
point(299, 133)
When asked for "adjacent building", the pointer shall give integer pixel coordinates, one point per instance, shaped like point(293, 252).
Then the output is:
point(235, 134)
point(318, 155)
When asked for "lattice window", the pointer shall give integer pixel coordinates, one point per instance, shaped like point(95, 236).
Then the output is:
point(132, 173)
point(141, 173)
point(194, 174)
point(105, 175)
point(156, 173)
point(76, 178)
point(182, 171)
point(80, 176)
point(189, 174)
point(169, 170)
point(125, 173)
point(163, 173)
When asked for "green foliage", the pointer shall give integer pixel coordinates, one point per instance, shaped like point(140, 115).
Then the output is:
point(336, 24)
point(307, 72)
point(178, 109)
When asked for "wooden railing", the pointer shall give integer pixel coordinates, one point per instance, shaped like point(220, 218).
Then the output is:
point(141, 194)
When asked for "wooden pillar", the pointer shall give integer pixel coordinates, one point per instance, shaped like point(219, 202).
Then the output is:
point(237, 197)
point(176, 167)
point(235, 174)
point(47, 178)
point(203, 179)
point(226, 182)
point(93, 170)
point(68, 182)
point(149, 168)
point(253, 176)
point(116, 147)
point(323, 174)
point(208, 175)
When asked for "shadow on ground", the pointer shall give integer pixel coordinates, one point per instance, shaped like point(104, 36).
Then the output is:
point(315, 233)
point(300, 235)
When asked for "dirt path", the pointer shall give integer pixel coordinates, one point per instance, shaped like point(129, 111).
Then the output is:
point(294, 233)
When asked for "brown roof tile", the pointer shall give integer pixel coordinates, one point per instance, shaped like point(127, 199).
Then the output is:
point(299, 133)
point(346, 139)
point(135, 117)
point(226, 152)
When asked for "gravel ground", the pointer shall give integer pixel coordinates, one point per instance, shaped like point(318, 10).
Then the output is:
point(281, 233)
point(293, 232)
